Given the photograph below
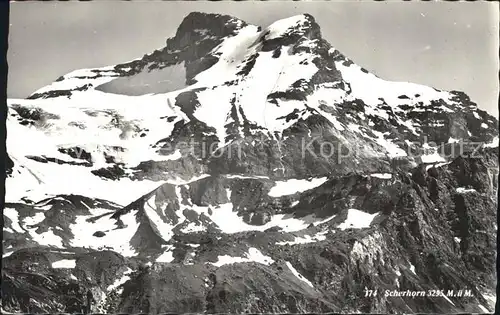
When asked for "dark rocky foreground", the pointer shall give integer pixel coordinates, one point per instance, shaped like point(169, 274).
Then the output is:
point(428, 235)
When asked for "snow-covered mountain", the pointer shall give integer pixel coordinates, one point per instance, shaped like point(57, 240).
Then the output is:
point(247, 169)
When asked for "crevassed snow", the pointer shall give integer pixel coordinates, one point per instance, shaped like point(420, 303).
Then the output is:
point(298, 275)
point(70, 179)
point(38, 180)
point(253, 255)
point(357, 219)
point(64, 263)
point(78, 124)
point(292, 186)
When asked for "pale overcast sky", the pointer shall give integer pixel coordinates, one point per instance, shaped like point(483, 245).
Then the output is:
point(451, 46)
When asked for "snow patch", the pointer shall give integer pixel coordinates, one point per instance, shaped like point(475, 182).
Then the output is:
point(253, 255)
point(357, 219)
point(46, 238)
point(382, 176)
point(165, 229)
point(392, 149)
point(431, 154)
point(492, 144)
point(463, 190)
point(64, 263)
point(167, 255)
point(484, 309)
point(298, 275)
point(292, 186)
point(490, 298)
point(370, 88)
point(14, 218)
point(306, 239)
point(229, 221)
point(281, 27)
point(436, 165)
point(120, 281)
point(115, 238)
point(412, 269)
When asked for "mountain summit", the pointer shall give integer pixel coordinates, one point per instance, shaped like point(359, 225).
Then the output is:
point(257, 170)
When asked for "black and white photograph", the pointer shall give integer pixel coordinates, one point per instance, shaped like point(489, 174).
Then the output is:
point(263, 157)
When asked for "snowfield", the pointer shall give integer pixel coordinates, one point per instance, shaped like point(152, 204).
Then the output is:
point(253, 255)
point(115, 238)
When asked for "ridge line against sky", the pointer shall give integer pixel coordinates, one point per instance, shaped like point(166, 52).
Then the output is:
point(450, 46)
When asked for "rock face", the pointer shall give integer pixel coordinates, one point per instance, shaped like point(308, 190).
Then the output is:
point(248, 169)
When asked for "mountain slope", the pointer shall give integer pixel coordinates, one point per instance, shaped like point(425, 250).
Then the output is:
point(247, 169)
